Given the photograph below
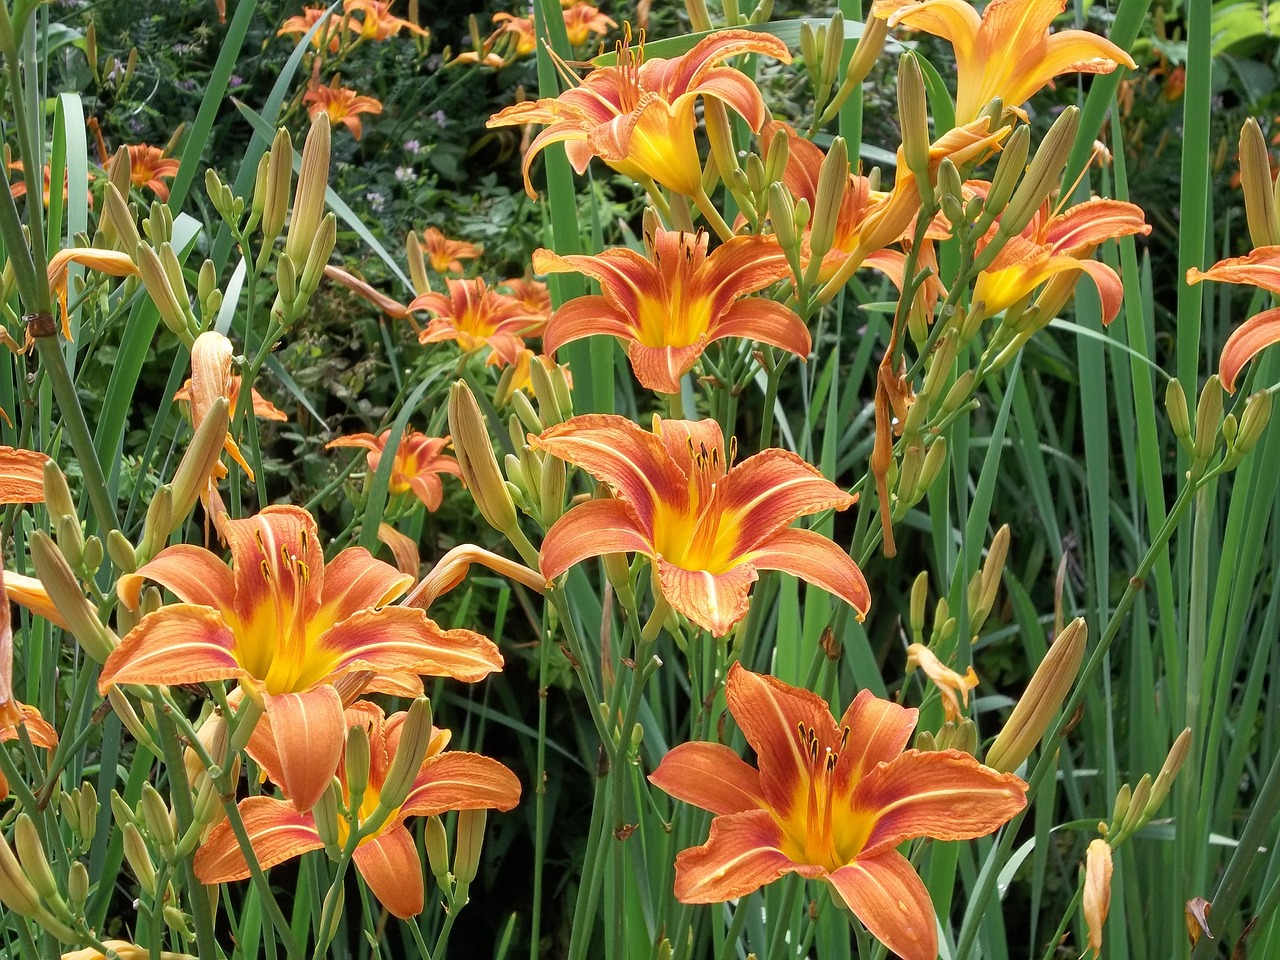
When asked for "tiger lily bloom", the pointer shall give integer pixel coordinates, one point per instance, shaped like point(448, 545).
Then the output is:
point(149, 167)
point(288, 626)
point(953, 687)
point(709, 525)
point(18, 187)
point(532, 293)
point(1008, 51)
point(446, 255)
point(638, 115)
point(1054, 250)
point(12, 713)
point(670, 303)
point(388, 860)
point(582, 20)
point(376, 22)
point(830, 802)
point(419, 461)
point(342, 104)
point(476, 316)
point(1260, 268)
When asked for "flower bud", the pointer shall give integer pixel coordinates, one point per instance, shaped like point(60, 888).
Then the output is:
point(417, 264)
point(866, 53)
point(832, 48)
point(57, 495)
point(34, 862)
point(70, 540)
point(776, 154)
point(275, 205)
point(1253, 422)
point(309, 198)
point(121, 552)
point(1256, 181)
point(286, 279)
point(357, 764)
point(317, 255)
point(1175, 403)
point(91, 556)
point(1045, 693)
point(1044, 173)
point(1123, 798)
point(913, 116)
point(958, 393)
point(120, 220)
point(1097, 892)
point(69, 600)
point(155, 279)
point(121, 811)
point(782, 216)
point(437, 844)
point(135, 851)
point(159, 821)
point(551, 490)
point(77, 887)
point(983, 598)
point(934, 460)
point(325, 814)
point(197, 464)
point(919, 595)
point(1009, 170)
point(466, 860)
point(476, 460)
point(833, 176)
point(524, 410)
point(415, 740)
point(158, 525)
point(1168, 772)
point(69, 810)
point(1208, 419)
point(16, 890)
point(1133, 817)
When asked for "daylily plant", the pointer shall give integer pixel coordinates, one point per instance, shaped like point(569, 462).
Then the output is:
point(419, 462)
point(830, 801)
point(476, 316)
point(670, 303)
point(1259, 268)
point(1008, 51)
point(286, 625)
point(387, 859)
point(709, 525)
point(638, 115)
point(342, 104)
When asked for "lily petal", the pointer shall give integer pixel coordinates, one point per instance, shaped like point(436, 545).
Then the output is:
point(396, 639)
point(585, 317)
point(710, 776)
point(1259, 268)
point(887, 895)
point(461, 781)
point(591, 529)
point(817, 560)
point(276, 556)
point(392, 868)
point(309, 734)
point(355, 581)
point(944, 794)
point(714, 601)
point(191, 573)
point(878, 730)
point(22, 475)
point(742, 854)
point(660, 368)
point(179, 643)
point(1246, 342)
point(764, 321)
point(276, 831)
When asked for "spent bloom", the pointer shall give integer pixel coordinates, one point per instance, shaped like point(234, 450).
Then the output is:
point(638, 115)
point(1007, 51)
point(388, 856)
point(668, 304)
point(419, 462)
point(342, 104)
point(708, 524)
point(14, 714)
point(287, 626)
point(524, 36)
point(953, 687)
point(830, 801)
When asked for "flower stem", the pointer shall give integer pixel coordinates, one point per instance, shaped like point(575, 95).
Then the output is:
point(782, 922)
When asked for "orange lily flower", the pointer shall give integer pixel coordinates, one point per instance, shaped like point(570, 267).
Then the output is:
point(1260, 268)
point(477, 316)
point(830, 802)
point(532, 293)
point(12, 713)
point(638, 116)
point(1007, 52)
point(1055, 250)
point(670, 303)
point(582, 20)
point(299, 25)
point(111, 262)
point(419, 462)
point(149, 167)
point(263, 408)
point(446, 255)
point(287, 626)
point(953, 687)
point(376, 21)
point(708, 525)
point(18, 188)
point(525, 35)
point(388, 860)
point(342, 104)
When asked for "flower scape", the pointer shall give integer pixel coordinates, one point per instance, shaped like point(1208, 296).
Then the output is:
point(639, 482)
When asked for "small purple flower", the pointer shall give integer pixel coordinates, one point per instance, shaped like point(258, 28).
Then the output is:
point(405, 173)
point(236, 81)
point(412, 146)
point(441, 118)
point(376, 200)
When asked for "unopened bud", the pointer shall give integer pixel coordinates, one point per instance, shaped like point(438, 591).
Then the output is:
point(1133, 818)
point(1044, 173)
point(68, 599)
point(178, 922)
point(162, 293)
point(919, 595)
point(1168, 772)
point(116, 211)
point(867, 52)
point(832, 48)
point(934, 460)
point(833, 177)
point(958, 394)
point(524, 410)
point(135, 851)
point(1256, 181)
point(309, 199)
point(939, 363)
point(275, 206)
point(476, 460)
point(551, 492)
point(91, 556)
point(913, 116)
point(415, 740)
point(77, 887)
point(317, 255)
point(32, 856)
point(777, 154)
point(193, 473)
point(87, 813)
point(325, 815)
point(1208, 419)
point(1253, 422)
point(437, 844)
point(417, 264)
point(1039, 704)
point(1175, 402)
point(357, 764)
point(1009, 170)
point(466, 860)
point(16, 890)
point(121, 552)
point(159, 523)
point(984, 598)
point(70, 540)
point(57, 495)
point(159, 820)
point(1123, 798)
point(781, 215)
point(286, 279)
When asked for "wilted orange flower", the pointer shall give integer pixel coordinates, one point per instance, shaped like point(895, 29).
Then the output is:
point(830, 802)
point(388, 860)
point(446, 255)
point(1097, 892)
point(298, 26)
point(477, 316)
point(418, 464)
point(111, 262)
point(1008, 51)
point(373, 20)
point(582, 20)
point(1054, 250)
point(521, 29)
point(287, 626)
point(392, 308)
point(149, 167)
point(12, 713)
point(709, 525)
point(670, 303)
point(953, 687)
point(1260, 268)
point(638, 116)
point(18, 186)
point(342, 104)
